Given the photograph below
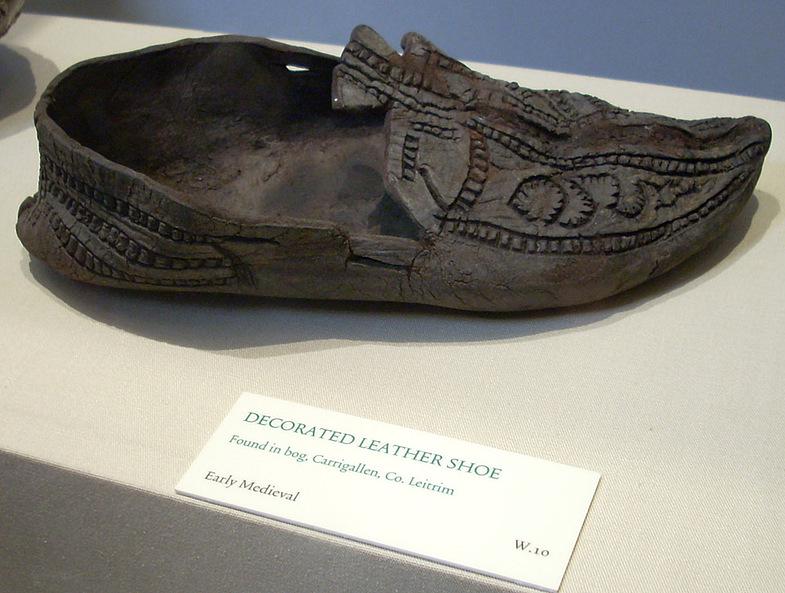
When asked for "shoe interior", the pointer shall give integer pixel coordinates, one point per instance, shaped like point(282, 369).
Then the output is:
point(242, 131)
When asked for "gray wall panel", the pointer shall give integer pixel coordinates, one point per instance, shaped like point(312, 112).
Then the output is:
point(735, 47)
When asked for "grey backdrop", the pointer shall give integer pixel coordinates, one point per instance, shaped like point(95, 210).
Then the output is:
point(729, 46)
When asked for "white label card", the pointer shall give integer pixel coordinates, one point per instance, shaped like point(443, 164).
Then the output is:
point(482, 509)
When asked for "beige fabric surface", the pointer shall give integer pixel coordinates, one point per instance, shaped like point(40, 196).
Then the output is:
point(673, 392)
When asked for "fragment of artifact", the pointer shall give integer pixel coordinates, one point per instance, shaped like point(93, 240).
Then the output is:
point(241, 165)
point(9, 12)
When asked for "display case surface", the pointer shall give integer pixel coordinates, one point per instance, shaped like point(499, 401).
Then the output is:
point(672, 391)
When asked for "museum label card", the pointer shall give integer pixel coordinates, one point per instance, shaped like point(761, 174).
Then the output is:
point(482, 509)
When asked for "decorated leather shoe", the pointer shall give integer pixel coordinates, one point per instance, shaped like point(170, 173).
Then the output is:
point(233, 164)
